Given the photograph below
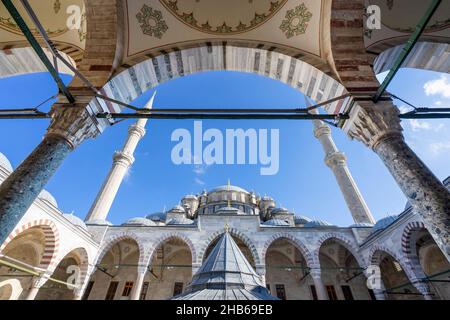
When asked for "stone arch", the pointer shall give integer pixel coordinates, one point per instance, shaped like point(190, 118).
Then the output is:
point(374, 258)
point(83, 257)
point(236, 233)
point(111, 241)
point(15, 289)
point(408, 251)
point(345, 242)
point(425, 55)
point(164, 66)
point(349, 58)
point(296, 242)
point(51, 235)
point(169, 236)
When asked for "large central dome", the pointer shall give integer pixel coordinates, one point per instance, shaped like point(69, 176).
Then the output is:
point(228, 188)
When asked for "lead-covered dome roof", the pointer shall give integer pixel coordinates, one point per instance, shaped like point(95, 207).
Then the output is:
point(4, 162)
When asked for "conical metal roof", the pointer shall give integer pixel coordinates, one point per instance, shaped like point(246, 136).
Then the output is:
point(226, 275)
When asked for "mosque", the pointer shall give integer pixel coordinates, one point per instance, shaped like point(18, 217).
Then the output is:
point(227, 243)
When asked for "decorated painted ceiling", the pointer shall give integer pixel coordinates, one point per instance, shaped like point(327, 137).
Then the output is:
point(64, 21)
point(295, 27)
point(282, 23)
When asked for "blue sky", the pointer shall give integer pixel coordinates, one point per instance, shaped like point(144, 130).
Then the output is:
point(303, 184)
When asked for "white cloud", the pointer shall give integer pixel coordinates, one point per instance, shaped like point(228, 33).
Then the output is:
point(437, 148)
point(199, 181)
point(439, 86)
point(417, 125)
point(438, 103)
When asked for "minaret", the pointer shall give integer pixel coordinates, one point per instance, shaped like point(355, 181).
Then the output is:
point(122, 160)
point(337, 162)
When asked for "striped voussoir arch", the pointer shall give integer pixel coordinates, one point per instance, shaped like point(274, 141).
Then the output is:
point(296, 242)
point(172, 235)
point(112, 240)
point(236, 233)
point(51, 235)
point(345, 242)
point(411, 256)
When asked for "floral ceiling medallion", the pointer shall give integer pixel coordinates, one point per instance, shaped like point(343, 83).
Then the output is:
point(152, 22)
point(221, 17)
point(296, 21)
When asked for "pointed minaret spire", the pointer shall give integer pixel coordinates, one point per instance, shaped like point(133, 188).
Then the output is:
point(122, 161)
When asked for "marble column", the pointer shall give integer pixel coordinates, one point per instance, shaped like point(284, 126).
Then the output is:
point(137, 288)
point(71, 124)
point(378, 127)
point(261, 271)
point(375, 282)
point(122, 161)
point(316, 275)
point(36, 285)
point(337, 162)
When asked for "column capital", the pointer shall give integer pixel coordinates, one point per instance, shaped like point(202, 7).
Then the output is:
point(39, 281)
point(336, 159)
point(123, 158)
point(315, 273)
point(137, 129)
point(74, 123)
point(371, 123)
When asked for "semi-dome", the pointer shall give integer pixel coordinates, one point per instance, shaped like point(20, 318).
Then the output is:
point(279, 211)
point(276, 223)
point(157, 216)
point(4, 162)
point(362, 225)
point(179, 221)
point(178, 209)
point(139, 221)
point(98, 222)
point(301, 219)
point(228, 188)
point(47, 196)
point(317, 224)
point(75, 221)
point(383, 223)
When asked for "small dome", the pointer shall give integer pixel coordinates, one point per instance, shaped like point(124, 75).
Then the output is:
point(99, 222)
point(279, 211)
point(47, 196)
point(276, 223)
point(383, 223)
point(228, 188)
point(266, 198)
point(179, 221)
point(301, 220)
point(75, 221)
point(317, 224)
point(190, 196)
point(362, 225)
point(4, 162)
point(178, 209)
point(157, 216)
point(139, 222)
